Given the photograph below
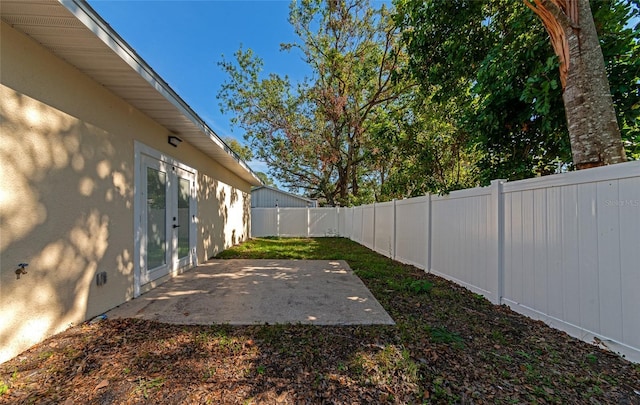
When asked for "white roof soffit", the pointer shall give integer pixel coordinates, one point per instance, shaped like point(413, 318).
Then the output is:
point(73, 31)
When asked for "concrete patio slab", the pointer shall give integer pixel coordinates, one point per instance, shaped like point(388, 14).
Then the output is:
point(248, 292)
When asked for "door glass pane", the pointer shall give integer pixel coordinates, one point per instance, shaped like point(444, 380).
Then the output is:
point(156, 218)
point(183, 217)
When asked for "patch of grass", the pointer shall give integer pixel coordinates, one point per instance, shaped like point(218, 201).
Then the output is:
point(442, 335)
point(4, 388)
point(591, 358)
point(274, 248)
point(441, 293)
point(146, 386)
point(388, 366)
point(202, 338)
point(46, 354)
point(408, 284)
point(594, 390)
point(528, 369)
point(210, 373)
point(498, 336)
point(442, 392)
point(366, 274)
point(420, 286)
point(270, 333)
point(230, 344)
point(504, 357)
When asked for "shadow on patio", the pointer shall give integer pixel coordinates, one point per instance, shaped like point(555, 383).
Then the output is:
point(247, 292)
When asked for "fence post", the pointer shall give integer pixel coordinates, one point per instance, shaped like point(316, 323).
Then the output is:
point(308, 222)
point(496, 260)
point(427, 262)
point(395, 239)
point(374, 226)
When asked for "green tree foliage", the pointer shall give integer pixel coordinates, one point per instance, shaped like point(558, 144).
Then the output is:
point(314, 135)
point(243, 151)
point(449, 95)
point(356, 131)
point(266, 180)
point(419, 150)
point(494, 59)
point(618, 26)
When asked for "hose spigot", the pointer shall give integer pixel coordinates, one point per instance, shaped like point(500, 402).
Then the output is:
point(21, 269)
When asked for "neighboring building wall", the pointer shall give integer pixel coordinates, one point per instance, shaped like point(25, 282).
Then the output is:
point(67, 194)
point(266, 197)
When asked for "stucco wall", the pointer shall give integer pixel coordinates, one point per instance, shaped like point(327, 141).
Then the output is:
point(67, 194)
point(228, 207)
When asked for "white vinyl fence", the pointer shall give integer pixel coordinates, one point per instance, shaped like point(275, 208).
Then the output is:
point(564, 249)
point(308, 222)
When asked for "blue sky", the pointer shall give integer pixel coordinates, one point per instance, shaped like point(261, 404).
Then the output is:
point(183, 41)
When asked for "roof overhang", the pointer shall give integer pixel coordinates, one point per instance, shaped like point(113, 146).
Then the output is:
point(73, 31)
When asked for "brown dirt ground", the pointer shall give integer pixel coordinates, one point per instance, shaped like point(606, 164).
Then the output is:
point(448, 346)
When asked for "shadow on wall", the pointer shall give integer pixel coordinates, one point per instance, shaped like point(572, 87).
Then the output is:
point(66, 192)
point(212, 216)
point(224, 212)
point(246, 215)
point(237, 217)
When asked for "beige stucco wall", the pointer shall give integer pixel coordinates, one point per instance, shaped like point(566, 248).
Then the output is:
point(228, 207)
point(67, 194)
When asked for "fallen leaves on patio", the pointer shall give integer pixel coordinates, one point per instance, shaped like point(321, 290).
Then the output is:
point(448, 346)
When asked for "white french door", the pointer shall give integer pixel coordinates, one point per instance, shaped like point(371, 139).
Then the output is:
point(167, 212)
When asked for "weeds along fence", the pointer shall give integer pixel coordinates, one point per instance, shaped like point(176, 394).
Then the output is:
point(564, 249)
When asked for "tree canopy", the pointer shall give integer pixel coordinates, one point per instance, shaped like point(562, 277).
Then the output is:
point(429, 96)
point(314, 135)
point(243, 151)
point(496, 59)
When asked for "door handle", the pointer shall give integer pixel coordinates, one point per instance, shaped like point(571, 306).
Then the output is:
point(176, 226)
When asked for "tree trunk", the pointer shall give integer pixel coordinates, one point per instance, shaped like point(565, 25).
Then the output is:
point(591, 119)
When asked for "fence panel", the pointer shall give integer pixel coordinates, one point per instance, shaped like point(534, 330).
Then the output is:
point(368, 226)
point(628, 207)
point(345, 222)
point(356, 225)
point(412, 231)
point(461, 251)
point(571, 253)
point(264, 222)
point(323, 222)
point(384, 228)
point(293, 222)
